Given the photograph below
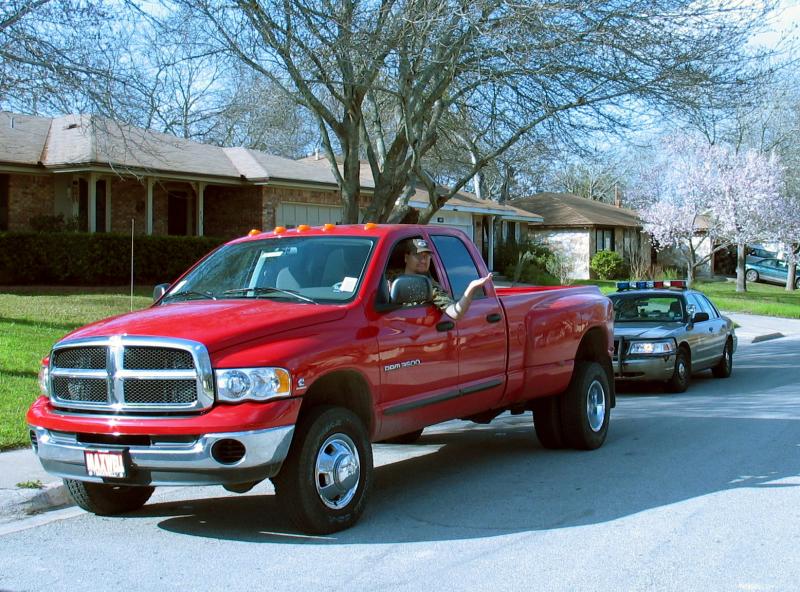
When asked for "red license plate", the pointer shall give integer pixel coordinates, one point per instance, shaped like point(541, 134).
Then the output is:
point(105, 463)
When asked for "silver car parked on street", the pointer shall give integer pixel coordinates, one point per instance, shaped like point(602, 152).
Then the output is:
point(663, 331)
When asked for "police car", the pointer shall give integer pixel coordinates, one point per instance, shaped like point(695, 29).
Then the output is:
point(664, 331)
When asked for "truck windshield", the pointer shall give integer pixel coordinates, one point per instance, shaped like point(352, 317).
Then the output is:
point(305, 270)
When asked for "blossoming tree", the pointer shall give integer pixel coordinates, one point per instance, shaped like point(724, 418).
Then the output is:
point(693, 192)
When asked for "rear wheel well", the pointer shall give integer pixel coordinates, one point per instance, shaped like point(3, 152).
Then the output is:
point(594, 348)
point(347, 389)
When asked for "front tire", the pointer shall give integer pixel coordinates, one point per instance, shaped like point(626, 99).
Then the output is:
point(725, 366)
point(586, 407)
point(751, 275)
point(324, 481)
point(682, 374)
point(105, 499)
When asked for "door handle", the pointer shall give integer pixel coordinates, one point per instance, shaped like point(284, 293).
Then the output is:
point(445, 325)
point(494, 317)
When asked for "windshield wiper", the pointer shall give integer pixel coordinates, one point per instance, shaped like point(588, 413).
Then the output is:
point(269, 290)
point(186, 293)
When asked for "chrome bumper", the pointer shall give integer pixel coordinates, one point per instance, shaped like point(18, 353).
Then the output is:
point(649, 368)
point(170, 463)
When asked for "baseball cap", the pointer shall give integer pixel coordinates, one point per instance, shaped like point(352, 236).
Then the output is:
point(418, 245)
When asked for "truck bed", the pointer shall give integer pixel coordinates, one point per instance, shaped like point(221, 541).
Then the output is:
point(545, 326)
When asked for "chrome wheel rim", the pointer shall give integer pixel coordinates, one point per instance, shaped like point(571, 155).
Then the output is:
point(596, 405)
point(681, 369)
point(337, 471)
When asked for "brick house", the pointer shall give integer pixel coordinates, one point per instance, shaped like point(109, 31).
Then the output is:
point(101, 176)
point(580, 227)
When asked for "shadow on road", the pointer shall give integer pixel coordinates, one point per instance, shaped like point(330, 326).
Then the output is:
point(484, 481)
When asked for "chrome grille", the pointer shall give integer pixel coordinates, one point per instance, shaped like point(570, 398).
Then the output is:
point(157, 358)
point(160, 391)
point(142, 374)
point(87, 390)
point(90, 358)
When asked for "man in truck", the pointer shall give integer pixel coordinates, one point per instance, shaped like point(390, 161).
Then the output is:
point(417, 257)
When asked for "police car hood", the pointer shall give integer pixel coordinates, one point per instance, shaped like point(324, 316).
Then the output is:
point(645, 330)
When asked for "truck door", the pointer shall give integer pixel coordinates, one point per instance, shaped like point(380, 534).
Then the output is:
point(418, 364)
point(482, 341)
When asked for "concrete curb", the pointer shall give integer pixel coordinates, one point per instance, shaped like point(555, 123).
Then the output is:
point(19, 503)
point(767, 337)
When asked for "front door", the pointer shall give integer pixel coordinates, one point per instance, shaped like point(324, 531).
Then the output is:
point(482, 342)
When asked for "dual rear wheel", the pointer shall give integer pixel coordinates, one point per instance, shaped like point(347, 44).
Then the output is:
point(579, 417)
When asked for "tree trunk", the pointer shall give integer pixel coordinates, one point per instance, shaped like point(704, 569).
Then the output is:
point(791, 281)
point(741, 285)
point(692, 265)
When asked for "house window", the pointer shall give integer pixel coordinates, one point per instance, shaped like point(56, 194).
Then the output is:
point(604, 239)
point(4, 202)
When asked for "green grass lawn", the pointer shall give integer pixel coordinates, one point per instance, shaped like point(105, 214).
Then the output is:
point(762, 299)
point(31, 320)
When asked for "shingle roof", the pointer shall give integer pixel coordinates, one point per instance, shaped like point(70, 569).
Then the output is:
point(22, 138)
point(80, 140)
point(462, 201)
point(566, 209)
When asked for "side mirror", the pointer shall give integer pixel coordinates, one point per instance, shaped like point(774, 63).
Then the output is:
point(699, 317)
point(411, 289)
point(159, 291)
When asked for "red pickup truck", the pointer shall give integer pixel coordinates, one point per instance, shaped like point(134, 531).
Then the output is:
point(284, 354)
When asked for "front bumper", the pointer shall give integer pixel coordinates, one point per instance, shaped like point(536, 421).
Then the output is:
point(185, 461)
point(644, 368)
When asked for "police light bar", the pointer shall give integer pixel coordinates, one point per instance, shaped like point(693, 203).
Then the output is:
point(643, 285)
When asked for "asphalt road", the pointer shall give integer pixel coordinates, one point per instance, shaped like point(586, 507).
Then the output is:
point(698, 491)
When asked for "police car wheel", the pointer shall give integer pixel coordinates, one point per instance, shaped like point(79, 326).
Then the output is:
point(682, 374)
point(725, 366)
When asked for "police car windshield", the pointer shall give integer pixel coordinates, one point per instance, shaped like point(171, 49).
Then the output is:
point(638, 308)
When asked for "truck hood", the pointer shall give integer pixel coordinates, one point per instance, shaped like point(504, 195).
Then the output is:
point(646, 332)
point(216, 325)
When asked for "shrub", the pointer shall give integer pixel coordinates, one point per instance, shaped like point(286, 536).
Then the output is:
point(71, 258)
point(608, 265)
point(527, 262)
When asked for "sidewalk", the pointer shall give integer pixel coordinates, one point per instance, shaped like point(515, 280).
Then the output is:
point(22, 466)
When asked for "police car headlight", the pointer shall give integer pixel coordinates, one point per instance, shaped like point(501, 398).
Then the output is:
point(651, 348)
point(252, 384)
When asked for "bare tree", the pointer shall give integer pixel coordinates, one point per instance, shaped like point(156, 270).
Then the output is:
point(515, 68)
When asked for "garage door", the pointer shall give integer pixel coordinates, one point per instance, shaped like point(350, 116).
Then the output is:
point(294, 214)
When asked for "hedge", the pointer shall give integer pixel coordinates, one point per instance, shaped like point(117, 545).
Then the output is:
point(72, 258)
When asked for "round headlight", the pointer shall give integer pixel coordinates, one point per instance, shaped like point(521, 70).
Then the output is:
point(236, 384)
